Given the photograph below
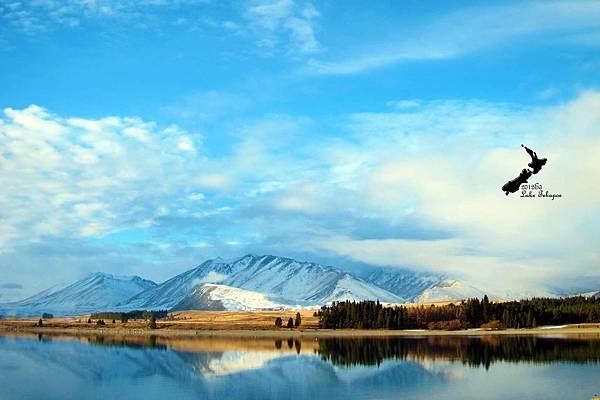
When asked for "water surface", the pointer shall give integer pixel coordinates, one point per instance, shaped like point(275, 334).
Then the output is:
point(491, 367)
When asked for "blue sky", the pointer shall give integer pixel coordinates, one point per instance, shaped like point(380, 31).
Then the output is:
point(142, 137)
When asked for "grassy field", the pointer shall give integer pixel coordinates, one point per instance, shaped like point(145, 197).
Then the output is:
point(245, 324)
point(180, 320)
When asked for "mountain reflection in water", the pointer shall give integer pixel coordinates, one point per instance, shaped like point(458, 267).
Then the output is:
point(323, 368)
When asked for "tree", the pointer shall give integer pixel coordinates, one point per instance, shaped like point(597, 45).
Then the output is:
point(486, 309)
point(298, 320)
point(40, 323)
point(290, 323)
point(506, 318)
point(89, 320)
point(124, 318)
point(152, 323)
point(278, 322)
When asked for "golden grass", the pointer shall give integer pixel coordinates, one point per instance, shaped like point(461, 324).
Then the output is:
point(246, 324)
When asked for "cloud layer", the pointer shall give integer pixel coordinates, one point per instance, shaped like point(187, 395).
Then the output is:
point(417, 185)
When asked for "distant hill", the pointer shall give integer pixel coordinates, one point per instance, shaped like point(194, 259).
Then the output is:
point(98, 291)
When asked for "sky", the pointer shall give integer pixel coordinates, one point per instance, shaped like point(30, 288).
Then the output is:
point(144, 137)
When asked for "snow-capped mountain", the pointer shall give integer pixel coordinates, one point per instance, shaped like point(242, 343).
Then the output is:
point(98, 291)
point(169, 293)
point(283, 280)
point(404, 283)
point(247, 283)
point(450, 290)
point(210, 296)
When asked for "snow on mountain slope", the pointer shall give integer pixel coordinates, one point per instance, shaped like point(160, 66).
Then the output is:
point(98, 291)
point(169, 293)
point(249, 282)
point(305, 283)
point(352, 289)
point(404, 283)
point(220, 297)
point(283, 280)
point(448, 291)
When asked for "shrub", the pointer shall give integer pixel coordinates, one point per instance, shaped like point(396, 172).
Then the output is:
point(493, 325)
point(100, 322)
point(452, 325)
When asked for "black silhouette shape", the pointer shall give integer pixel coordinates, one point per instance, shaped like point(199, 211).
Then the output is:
point(536, 163)
point(514, 184)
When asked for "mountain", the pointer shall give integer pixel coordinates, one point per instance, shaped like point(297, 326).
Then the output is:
point(98, 291)
point(247, 283)
point(283, 280)
point(209, 296)
point(171, 292)
point(450, 290)
point(404, 283)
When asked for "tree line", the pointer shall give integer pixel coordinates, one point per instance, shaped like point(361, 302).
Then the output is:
point(125, 316)
point(472, 313)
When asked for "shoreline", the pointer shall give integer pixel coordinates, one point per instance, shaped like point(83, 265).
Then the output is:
point(571, 330)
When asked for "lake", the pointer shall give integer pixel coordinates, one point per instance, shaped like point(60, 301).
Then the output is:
point(443, 367)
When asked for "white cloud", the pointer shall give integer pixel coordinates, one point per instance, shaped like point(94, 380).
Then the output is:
point(81, 177)
point(448, 171)
point(276, 18)
point(469, 30)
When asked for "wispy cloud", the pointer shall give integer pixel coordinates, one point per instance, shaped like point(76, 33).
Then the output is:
point(292, 20)
point(33, 17)
point(467, 31)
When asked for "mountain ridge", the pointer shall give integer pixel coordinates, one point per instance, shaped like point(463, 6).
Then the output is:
point(283, 279)
point(98, 290)
point(247, 282)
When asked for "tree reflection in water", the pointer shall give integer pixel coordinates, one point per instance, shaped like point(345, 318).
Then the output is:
point(472, 351)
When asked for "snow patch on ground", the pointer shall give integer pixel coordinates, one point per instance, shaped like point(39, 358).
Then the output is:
point(553, 326)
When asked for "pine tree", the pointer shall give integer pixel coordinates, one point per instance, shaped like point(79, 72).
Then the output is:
point(290, 323)
point(40, 323)
point(506, 318)
point(278, 322)
point(530, 319)
point(298, 320)
point(486, 308)
point(152, 323)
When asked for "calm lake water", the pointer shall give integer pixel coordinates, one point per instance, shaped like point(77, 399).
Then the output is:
point(97, 367)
